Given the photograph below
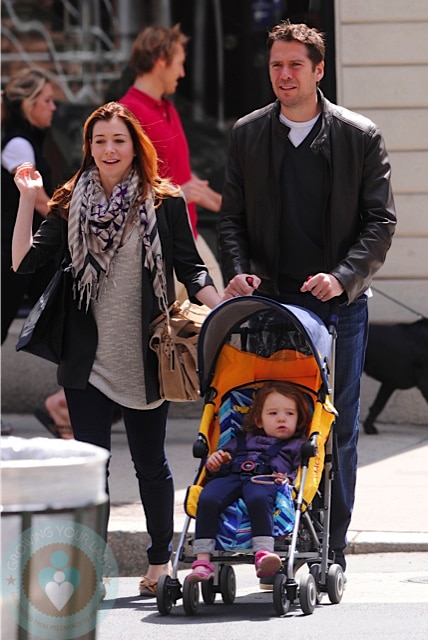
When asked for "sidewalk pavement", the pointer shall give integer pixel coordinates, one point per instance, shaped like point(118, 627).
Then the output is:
point(390, 509)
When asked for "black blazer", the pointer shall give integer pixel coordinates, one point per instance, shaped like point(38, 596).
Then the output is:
point(80, 331)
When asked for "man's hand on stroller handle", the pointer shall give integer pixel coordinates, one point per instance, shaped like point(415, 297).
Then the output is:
point(243, 284)
point(216, 459)
point(322, 286)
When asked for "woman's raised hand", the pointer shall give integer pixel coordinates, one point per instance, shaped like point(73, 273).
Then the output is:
point(28, 179)
point(29, 182)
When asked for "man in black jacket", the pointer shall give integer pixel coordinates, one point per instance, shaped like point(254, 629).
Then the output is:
point(307, 218)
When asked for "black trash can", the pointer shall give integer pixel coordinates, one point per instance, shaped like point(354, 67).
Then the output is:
point(56, 567)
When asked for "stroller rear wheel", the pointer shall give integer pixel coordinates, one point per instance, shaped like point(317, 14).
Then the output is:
point(227, 583)
point(280, 601)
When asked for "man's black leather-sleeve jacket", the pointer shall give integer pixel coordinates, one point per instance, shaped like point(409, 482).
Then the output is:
point(358, 214)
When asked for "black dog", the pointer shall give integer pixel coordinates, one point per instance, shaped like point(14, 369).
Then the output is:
point(397, 356)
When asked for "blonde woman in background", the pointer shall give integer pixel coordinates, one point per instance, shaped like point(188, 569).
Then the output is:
point(27, 110)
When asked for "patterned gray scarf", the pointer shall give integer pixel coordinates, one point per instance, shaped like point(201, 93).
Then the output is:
point(95, 230)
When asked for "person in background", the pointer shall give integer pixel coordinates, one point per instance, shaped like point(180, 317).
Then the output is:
point(26, 114)
point(157, 61)
point(55, 416)
point(27, 110)
point(117, 222)
point(307, 218)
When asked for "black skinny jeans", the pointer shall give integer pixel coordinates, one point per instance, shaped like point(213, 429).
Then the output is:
point(91, 414)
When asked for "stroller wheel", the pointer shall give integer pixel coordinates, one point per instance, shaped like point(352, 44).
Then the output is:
point(308, 593)
point(208, 591)
point(315, 570)
point(190, 597)
point(227, 582)
point(164, 597)
point(335, 583)
point(280, 601)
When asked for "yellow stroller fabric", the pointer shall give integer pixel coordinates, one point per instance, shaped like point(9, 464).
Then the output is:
point(236, 370)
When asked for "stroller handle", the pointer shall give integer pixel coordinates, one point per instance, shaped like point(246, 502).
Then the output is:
point(332, 324)
point(333, 317)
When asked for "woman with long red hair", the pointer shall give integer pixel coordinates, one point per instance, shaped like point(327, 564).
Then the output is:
point(122, 228)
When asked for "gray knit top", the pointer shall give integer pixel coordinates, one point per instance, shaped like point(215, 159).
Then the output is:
point(118, 367)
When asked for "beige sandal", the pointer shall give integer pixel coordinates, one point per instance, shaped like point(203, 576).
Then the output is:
point(148, 586)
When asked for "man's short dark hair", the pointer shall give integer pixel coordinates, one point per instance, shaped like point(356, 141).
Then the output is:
point(309, 36)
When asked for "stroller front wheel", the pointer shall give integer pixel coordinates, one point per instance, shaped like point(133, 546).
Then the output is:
point(164, 597)
point(190, 597)
point(208, 591)
point(227, 583)
point(315, 569)
point(308, 593)
point(335, 583)
point(280, 601)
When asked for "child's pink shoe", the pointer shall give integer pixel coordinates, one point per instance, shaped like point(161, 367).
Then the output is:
point(201, 570)
point(267, 563)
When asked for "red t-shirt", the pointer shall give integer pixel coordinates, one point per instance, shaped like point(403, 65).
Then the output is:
point(162, 123)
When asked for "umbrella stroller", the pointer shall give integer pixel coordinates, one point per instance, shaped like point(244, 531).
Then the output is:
point(244, 343)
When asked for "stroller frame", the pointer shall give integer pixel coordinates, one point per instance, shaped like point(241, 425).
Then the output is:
point(309, 542)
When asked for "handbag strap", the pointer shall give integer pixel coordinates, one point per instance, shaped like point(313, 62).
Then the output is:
point(157, 272)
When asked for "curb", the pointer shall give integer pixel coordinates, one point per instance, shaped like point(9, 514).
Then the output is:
point(128, 547)
point(386, 542)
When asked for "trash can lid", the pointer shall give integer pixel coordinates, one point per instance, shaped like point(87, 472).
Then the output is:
point(42, 473)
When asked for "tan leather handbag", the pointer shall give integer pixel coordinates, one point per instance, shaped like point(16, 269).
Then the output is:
point(174, 339)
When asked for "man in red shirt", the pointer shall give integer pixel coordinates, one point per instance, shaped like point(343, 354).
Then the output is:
point(157, 60)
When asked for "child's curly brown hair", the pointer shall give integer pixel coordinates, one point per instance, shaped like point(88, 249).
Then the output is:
point(286, 389)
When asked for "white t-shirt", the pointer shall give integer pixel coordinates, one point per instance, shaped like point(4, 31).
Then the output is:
point(298, 130)
point(15, 152)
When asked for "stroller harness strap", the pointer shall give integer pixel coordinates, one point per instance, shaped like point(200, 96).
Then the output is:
point(260, 466)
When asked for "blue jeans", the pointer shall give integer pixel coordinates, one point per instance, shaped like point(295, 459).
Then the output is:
point(351, 348)
point(91, 414)
point(350, 353)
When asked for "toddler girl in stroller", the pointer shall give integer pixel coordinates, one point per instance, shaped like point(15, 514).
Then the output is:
point(274, 432)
